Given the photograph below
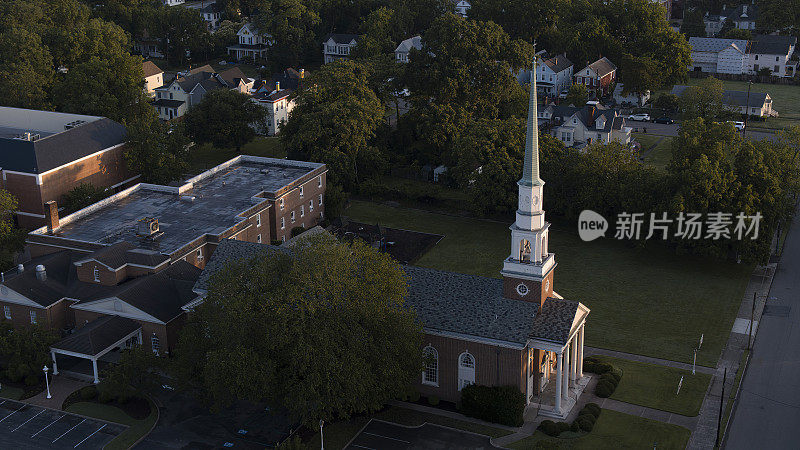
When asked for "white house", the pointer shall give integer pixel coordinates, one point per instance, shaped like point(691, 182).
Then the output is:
point(553, 74)
point(174, 2)
point(461, 7)
point(188, 89)
point(579, 127)
point(153, 77)
point(774, 53)
point(211, 14)
point(636, 98)
point(336, 46)
point(275, 95)
point(713, 55)
point(251, 44)
point(713, 23)
point(402, 50)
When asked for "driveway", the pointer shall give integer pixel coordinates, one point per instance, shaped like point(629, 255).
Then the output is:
point(388, 436)
point(32, 427)
point(768, 412)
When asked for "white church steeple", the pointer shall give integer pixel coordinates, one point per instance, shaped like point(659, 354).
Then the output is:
point(529, 268)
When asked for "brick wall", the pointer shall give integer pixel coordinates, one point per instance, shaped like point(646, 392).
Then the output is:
point(294, 202)
point(107, 277)
point(148, 330)
point(21, 315)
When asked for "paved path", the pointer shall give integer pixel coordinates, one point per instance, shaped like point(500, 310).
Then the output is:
point(60, 388)
point(768, 412)
point(589, 351)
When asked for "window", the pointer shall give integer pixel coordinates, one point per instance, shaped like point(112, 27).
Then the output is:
point(319, 202)
point(199, 253)
point(756, 57)
point(525, 250)
point(283, 238)
point(283, 223)
point(292, 217)
point(96, 273)
point(280, 203)
point(258, 220)
point(311, 205)
point(7, 312)
point(319, 181)
point(155, 344)
point(430, 372)
point(466, 370)
point(301, 191)
point(33, 317)
point(777, 58)
point(258, 238)
point(777, 69)
point(302, 211)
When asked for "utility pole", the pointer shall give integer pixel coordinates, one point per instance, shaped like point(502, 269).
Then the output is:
point(752, 316)
point(721, 402)
point(747, 108)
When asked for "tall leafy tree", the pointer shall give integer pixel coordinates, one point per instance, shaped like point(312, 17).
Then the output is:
point(224, 118)
point(12, 239)
point(291, 23)
point(26, 70)
point(156, 151)
point(259, 333)
point(703, 100)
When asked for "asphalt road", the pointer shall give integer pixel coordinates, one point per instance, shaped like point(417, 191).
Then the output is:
point(672, 130)
point(388, 436)
point(768, 413)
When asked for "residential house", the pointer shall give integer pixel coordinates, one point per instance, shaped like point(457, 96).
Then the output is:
point(147, 46)
point(336, 46)
point(173, 2)
point(45, 154)
point(212, 15)
point(461, 7)
point(515, 331)
point(275, 95)
point(744, 17)
point(755, 103)
point(579, 127)
point(251, 44)
point(153, 77)
point(714, 55)
point(713, 23)
point(402, 50)
point(174, 99)
point(774, 53)
point(634, 98)
point(553, 74)
point(598, 77)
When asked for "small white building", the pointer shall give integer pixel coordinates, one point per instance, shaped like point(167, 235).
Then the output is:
point(251, 44)
point(635, 98)
point(713, 55)
point(174, 2)
point(278, 105)
point(212, 15)
point(153, 77)
point(402, 50)
point(553, 74)
point(713, 23)
point(336, 46)
point(461, 7)
point(774, 53)
point(743, 16)
point(580, 127)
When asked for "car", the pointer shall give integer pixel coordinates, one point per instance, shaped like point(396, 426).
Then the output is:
point(641, 117)
point(666, 120)
point(563, 94)
point(738, 125)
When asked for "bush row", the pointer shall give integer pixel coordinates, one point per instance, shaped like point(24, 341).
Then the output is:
point(585, 421)
point(498, 404)
point(609, 376)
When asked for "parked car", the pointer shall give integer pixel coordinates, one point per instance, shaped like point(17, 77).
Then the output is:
point(738, 125)
point(641, 117)
point(664, 120)
point(563, 94)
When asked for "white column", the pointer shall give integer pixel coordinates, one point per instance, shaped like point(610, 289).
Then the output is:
point(558, 382)
point(580, 351)
point(94, 367)
point(565, 374)
point(573, 366)
point(55, 366)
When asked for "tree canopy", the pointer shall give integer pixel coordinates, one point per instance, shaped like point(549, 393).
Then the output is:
point(224, 118)
point(321, 332)
point(156, 151)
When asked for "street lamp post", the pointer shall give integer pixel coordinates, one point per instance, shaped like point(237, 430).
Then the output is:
point(321, 437)
point(46, 381)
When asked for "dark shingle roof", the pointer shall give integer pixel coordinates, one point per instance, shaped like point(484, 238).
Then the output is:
point(340, 38)
point(603, 66)
point(162, 294)
point(742, 13)
point(97, 335)
point(557, 63)
point(555, 320)
point(168, 103)
point(772, 45)
point(114, 255)
point(588, 116)
point(232, 76)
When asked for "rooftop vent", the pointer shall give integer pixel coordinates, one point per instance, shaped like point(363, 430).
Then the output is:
point(41, 274)
point(73, 124)
point(187, 198)
point(28, 136)
point(20, 268)
point(148, 226)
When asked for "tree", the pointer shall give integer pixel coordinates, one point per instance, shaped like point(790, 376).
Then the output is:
point(259, 333)
point(135, 374)
point(291, 24)
point(82, 196)
point(577, 96)
point(12, 239)
point(738, 33)
point(156, 151)
point(703, 100)
point(181, 32)
point(335, 121)
point(26, 69)
point(380, 33)
point(667, 102)
point(225, 118)
point(693, 24)
point(25, 351)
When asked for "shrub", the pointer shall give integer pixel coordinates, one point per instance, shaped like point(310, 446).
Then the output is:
point(293, 443)
point(575, 427)
point(31, 380)
point(433, 400)
point(563, 426)
point(88, 393)
point(414, 396)
point(498, 404)
point(104, 397)
point(550, 428)
point(604, 389)
point(297, 231)
point(585, 424)
point(593, 408)
point(609, 378)
point(13, 376)
point(586, 415)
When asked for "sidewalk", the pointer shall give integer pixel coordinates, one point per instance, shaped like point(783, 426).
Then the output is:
point(590, 351)
point(60, 388)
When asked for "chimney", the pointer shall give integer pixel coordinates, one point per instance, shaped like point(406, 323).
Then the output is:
point(41, 275)
point(277, 86)
point(20, 268)
point(302, 73)
point(744, 10)
point(51, 215)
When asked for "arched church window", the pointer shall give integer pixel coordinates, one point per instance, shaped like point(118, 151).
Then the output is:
point(430, 373)
point(525, 250)
point(466, 370)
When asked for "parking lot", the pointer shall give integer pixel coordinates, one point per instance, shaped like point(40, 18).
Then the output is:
point(31, 427)
point(388, 436)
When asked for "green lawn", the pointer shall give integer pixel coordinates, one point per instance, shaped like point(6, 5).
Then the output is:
point(10, 392)
point(615, 430)
point(655, 386)
point(647, 301)
point(337, 435)
point(657, 150)
point(136, 428)
point(206, 156)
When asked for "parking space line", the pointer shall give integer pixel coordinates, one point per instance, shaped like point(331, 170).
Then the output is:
point(87, 437)
point(387, 437)
point(20, 408)
point(48, 426)
point(76, 426)
point(361, 446)
point(23, 423)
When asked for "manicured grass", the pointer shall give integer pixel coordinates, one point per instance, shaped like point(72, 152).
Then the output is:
point(647, 301)
point(126, 439)
point(615, 430)
point(206, 156)
point(11, 392)
point(655, 386)
point(337, 435)
point(657, 150)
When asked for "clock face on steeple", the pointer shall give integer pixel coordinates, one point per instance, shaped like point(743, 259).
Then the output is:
point(522, 289)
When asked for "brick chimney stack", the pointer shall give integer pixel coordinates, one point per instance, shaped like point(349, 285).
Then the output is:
point(51, 215)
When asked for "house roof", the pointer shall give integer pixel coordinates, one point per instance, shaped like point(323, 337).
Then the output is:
point(121, 253)
point(557, 63)
point(716, 45)
point(588, 115)
point(772, 44)
point(341, 38)
point(408, 44)
point(98, 335)
point(273, 95)
point(150, 68)
point(733, 98)
point(602, 67)
point(167, 102)
point(232, 76)
point(742, 13)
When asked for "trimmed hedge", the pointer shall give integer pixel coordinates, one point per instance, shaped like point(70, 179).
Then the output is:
point(499, 404)
point(609, 376)
point(553, 429)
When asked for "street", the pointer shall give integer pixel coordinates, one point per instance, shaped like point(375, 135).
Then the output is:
point(768, 412)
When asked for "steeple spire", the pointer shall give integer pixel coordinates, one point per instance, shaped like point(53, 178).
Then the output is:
point(530, 169)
